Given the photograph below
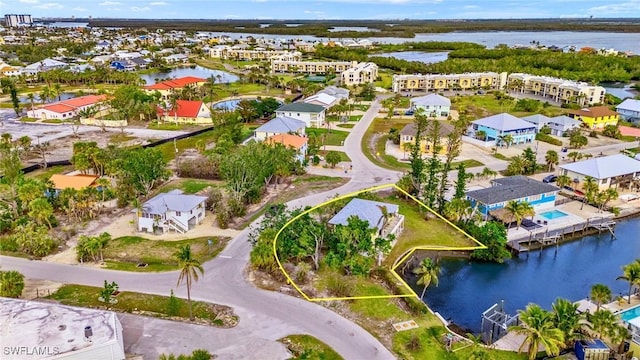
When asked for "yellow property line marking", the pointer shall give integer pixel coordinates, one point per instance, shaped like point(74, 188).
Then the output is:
point(396, 264)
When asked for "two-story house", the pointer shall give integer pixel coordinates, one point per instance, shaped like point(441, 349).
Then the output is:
point(558, 124)
point(596, 117)
point(294, 142)
point(171, 211)
point(280, 125)
point(408, 138)
point(384, 217)
point(433, 105)
point(186, 112)
point(494, 129)
point(629, 110)
point(311, 114)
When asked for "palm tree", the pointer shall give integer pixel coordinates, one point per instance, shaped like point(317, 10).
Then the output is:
point(551, 158)
point(481, 135)
point(539, 330)
point(41, 210)
point(519, 210)
point(606, 196)
point(631, 274)
point(574, 155)
point(590, 188)
point(601, 294)
point(506, 139)
point(563, 180)
point(602, 321)
point(428, 272)
point(567, 318)
point(189, 268)
point(457, 209)
point(31, 97)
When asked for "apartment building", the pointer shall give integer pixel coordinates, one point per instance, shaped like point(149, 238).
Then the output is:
point(242, 53)
point(440, 82)
point(310, 67)
point(15, 20)
point(363, 73)
point(556, 89)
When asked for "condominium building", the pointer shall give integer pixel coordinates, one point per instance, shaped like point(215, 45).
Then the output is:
point(240, 53)
point(15, 20)
point(439, 82)
point(556, 89)
point(310, 67)
point(363, 73)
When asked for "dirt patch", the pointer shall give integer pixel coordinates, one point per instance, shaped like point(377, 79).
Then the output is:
point(34, 289)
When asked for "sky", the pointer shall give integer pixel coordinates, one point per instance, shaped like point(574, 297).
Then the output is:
point(325, 9)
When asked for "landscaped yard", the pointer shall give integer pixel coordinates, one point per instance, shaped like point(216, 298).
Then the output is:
point(334, 137)
point(151, 305)
point(352, 118)
point(386, 80)
point(125, 253)
point(306, 347)
point(374, 150)
point(469, 163)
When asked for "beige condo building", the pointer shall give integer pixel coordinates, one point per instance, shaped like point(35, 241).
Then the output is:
point(363, 73)
point(228, 52)
point(556, 89)
point(439, 82)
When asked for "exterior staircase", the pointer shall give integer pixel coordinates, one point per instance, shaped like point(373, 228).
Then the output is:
point(177, 225)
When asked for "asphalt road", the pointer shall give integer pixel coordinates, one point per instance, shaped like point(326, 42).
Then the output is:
point(264, 315)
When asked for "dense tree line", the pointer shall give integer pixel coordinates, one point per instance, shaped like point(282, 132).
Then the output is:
point(34, 52)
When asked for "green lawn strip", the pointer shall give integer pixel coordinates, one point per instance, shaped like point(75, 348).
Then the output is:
point(125, 253)
point(309, 348)
point(346, 126)
point(169, 152)
point(28, 119)
point(382, 127)
point(335, 137)
point(469, 163)
point(168, 125)
point(210, 64)
point(189, 186)
point(386, 80)
point(343, 155)
point(352, 118)
point(52, 121)
point(146, 304)
point(501, 157)
point(45, 174)
point(120, 138)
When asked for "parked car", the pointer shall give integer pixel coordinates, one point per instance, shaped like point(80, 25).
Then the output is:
point(567, 188)
point(408, 112)
point(565, 149)
point(550, 178)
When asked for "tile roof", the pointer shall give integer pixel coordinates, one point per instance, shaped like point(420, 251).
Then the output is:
point(173, 200)
point(282, 124)
point(301, 107)
point(175, 83)
point(367, 210)
point(604, 167)
point(185, 108)
point(504, 122)
point(72, 104)
point(596, 111)
point(78, 182)
point(511, 188)
point(287, 140)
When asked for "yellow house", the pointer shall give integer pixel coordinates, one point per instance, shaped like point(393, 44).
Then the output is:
point(408, 133)
point(187, 112)
point(596, 117)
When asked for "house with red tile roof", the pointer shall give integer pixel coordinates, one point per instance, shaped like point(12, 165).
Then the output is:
point(186, 112)
point(166, 87)
point(67, 109)
point(297, 143)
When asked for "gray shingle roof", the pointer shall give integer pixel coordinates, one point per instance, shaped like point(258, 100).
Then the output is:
point(365, 210)
point(410, 129)
point(504, 122)
point(301, 107)
point(604, 167)
point(173, 200)
point(511, 188)
point(282, 125)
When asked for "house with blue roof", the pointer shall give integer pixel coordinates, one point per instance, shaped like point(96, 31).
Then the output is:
point(384, 217)
point(172, 210)
point(495, 127)
point(280, 125)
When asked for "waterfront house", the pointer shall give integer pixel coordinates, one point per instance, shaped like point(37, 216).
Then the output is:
point(171, 211)
point(513, 188)
point(294, 142)
point(609, 171)
point(384, 217)
point(558, 124)
point(186, 112)
point(433, 105)
point(67, 109)
point(629, 110)
point(313, 115)
point(408, 135)
point(495, 127)
point(279, 125)
point(596, 117)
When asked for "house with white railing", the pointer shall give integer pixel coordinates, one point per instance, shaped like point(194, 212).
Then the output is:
point(171, 211)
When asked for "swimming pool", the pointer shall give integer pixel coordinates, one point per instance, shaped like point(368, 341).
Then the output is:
point(553, 214)
point(630, 314)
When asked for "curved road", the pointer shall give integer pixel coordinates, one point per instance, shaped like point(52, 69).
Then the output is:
point(265, 316)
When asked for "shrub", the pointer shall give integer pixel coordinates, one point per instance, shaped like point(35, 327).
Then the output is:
point(593, 134)
point(548, 139)
point(11, 284)
point(414, 344)
point(199, 168)
point(173, 305)
point(340, 287)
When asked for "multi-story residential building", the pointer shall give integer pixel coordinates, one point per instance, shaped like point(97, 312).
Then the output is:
point(243, 53)
point(165, 88)
point(408, 138)
point(433, 105)
point(493, 130)
point(556, 89)
point(317, 67)
point(15, 20)
point(311, 114)
point(363, 73)
point(629, 110)
point(596, 117)
point(439, 82)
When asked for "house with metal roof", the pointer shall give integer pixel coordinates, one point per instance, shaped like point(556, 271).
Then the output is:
point(280, 125)
point(513, 188)
point(629, 110)
point(433, 105)
point(313, 115)
point(337, 92)
point(609, 171)
point(384, 217)
point(495, 127)
point(172, 210)
point(322, 99)
point(558, 124)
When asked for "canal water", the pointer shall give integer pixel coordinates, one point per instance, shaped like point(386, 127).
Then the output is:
point(197, 71)
point(423, 56)
point(467, 289)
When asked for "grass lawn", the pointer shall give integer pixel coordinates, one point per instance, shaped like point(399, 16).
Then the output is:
point(45, 174)
point(346, 126)
point(168, 150)
point(335, 137)
point(120, 138)
point(334, 118)
point(189, 186)
point(52, 121)
point(469, 163)
point(172, 126)
point(210, 64)
point(386, 80)
point(223, 91)
point(375, 151)
point(155, 305)
point(480, 106)
point(28, 119)
point(343, 155)
point(501, 157)
point(126, 252)
point(309, 348)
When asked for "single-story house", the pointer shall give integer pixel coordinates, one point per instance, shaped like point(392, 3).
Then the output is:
point(496, 126)
point(77, 182)
point(171, 211)
point(280, 125)
point(313, 115)
point(596, 117)
point(433, 105)
point(629, 110)
point(372, 212)
point(513, 188)
point(176, 58)
point(322, 99)
point(408, 135)
point(558, 124)
point(187, 112)
point(297, 143)
point(609, 171)
point(67, 109)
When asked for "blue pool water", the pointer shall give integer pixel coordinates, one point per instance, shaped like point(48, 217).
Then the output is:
point(553, 214)
point(630, 314)
point(227, 105)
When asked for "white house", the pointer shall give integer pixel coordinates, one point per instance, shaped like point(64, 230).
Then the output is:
point(608, 171)
point(171, 211)
point(629, 110)
point(558, 124)
point(67, 109)
point(433, 105)
point(44, 65)
point(313, 115)
point(322, 99)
